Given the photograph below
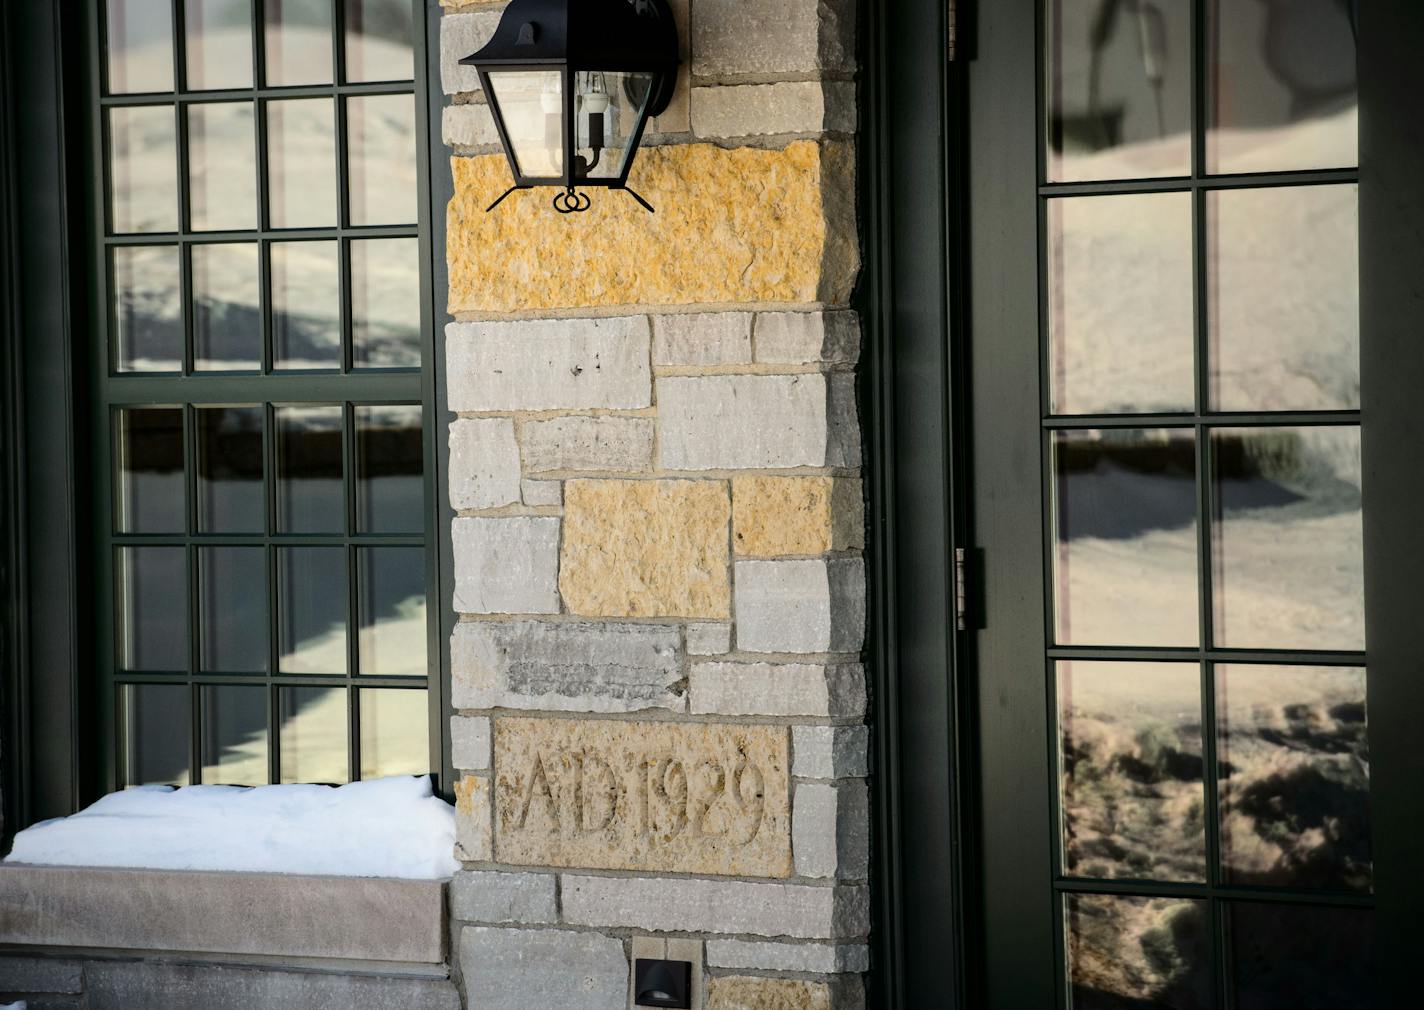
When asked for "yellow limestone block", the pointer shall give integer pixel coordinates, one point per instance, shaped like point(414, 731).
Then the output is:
point(744, 993)
point(780, 516)
point(739, 225)
point(650, 548)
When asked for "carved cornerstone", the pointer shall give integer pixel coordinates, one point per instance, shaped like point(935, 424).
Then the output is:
point(643, 796)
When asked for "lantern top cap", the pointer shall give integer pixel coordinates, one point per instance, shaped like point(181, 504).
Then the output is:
point(586, 34)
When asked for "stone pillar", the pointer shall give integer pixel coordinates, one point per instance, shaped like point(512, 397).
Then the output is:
point(655, 466)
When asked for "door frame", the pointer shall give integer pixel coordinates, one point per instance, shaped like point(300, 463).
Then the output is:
point(928, 124)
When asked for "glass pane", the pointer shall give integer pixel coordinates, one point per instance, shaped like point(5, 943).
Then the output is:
point(230, 498)
point(1301, 958)
point(218, 44)
point(154, 731)
point(150, 595)
point(148, 465)
point(1286, 539)
point(1283, 293)
point(390, 485)
point(301, 163)
point(1120, 315)
point(1125, 537)
point(380, 144)
point(143, 169)
point(140, 46)
point(233, 742)
point(309, 498)
point(313, 735)
point(1130, 739)
point(385, 303)
point(395, 733)
point(222, 166)
point(609, 105)
point(227, 311)
point(378, 40)
point(232, 609)
point(531, 104)
point(1119, 90)
point(306, 305)
point(312, 599)
point(1295, 776)
point(1281, 83)
point(298, 41)
point(148, 316)
point(1142, 953)
point(391, 593)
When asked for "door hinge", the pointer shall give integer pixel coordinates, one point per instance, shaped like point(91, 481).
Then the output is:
point(961, 589)
point(951, 29)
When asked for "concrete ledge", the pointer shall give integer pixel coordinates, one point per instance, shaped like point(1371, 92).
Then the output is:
point(354, 918)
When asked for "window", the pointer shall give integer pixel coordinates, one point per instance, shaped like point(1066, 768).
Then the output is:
point(263, 554)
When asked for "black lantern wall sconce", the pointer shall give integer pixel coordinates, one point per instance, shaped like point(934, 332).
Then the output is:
point(571, 85)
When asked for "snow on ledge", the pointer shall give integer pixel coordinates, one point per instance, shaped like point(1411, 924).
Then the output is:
point(393, 827)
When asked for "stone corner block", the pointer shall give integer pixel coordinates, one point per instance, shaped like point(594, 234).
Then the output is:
point(484, 463)
point(506, 565)
point(468, 127)
point(714, 422)
point(830, 752)
point(461, 35)
point(778, 689)
point(520, 969)
point(470, 742)
point(732, 38)
point(474, 821)
point(806, 958)
point(702, 338)
point(780, 516)
point(830, 829)
point(815, 605)
point(622, 444)
point(502, 898)
point(707, 638)
point(547, 493)
point(751, 992)
point(788, 107)
point(549, 364)
point(790, 338)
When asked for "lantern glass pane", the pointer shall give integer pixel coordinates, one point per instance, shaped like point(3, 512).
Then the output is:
point(609, 105)
point(531, 103)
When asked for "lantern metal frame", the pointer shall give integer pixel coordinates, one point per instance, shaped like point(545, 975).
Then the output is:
point(577, 37)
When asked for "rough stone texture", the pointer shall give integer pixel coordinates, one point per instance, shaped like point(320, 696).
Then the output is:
point(683, 905)
point(703, 338)
point(830, 752)
point(784, 689)
point(484, 463)
point(646, 548)
point(461, 35)
point(736, 38)
point(716, 422)
point(482, 896)
point(622, 444)
point(801, 606)
point(470, 742)
point(830, 832)
point(708, 639)
point(543, 492)
point(675, 118)
point(357, 918)
point(774, 516)
point(748, 110)
point(565, 666)
point(469, 126)
point(744, 993)
point(807, 337)
point(696, 798)
point(732, 225)
point(128, 985)
point(506, 565)
point(548, 364)
point(40, 974)
point(472, 819)
point(525, 969)
point(811, 958)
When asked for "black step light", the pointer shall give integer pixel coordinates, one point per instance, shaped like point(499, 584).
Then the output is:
point(571, 84)
point(662, 983)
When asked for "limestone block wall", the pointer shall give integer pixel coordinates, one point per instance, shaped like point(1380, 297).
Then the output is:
point(655, 471)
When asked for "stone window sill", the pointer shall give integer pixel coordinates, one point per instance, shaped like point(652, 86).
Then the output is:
point(247, 914)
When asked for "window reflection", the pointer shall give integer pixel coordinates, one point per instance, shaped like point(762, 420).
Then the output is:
point(232, 609)
point(1147, 953)
point(140, 46)
point(301, 163)
point(1287, 539)
point(156, 734)
point(227, 314)
point(152, 590)
point(233, 741)
point(218, 43)
point(309, 470)
point(395, 733)
point(149, 465)
point(381, 182)
point(385, 303)
point(1125, 537)
point(230, 498)
point(297, 37)
point(378, 34)
point(222, 167)
point(391, 591)
point(1130, 758)
point(1300, 957)
point(313, 734)
point(312, 601)
point(1294, 766)
point(143, 169)
point(306, 305)
point(1281, 83)
point(390, 485)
